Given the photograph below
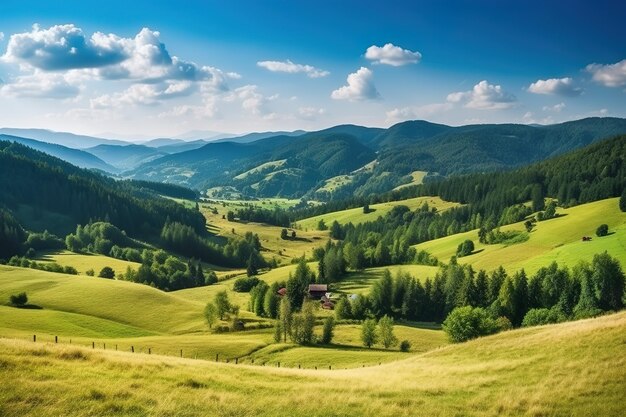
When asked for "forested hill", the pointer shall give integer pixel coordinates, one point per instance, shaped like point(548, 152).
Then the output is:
point(47, 184)
point(595, 172)
point(76, 157)
point(370, 160)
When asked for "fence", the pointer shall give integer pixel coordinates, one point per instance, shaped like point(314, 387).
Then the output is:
point(247, 360)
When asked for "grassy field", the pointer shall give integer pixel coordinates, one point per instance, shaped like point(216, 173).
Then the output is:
point(356, 215)
point(85, 262)
point(361, 282)
point(569, 369)
point(417, 177)
point(123, 314)
point(334, 183)
point(557, 239)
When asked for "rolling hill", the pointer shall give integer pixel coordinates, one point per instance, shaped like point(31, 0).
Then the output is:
point(569, 369)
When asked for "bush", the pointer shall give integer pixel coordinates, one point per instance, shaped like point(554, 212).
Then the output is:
point(465, 248)
point(107, 272)
point(245, 284)
point(465, 323)
point(327, 332)
point(405, 346)
point(540, 316)
point(90, 272)
point(19, 300)
point(602, 230)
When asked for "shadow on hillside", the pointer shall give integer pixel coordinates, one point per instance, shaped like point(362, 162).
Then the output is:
point(29, 307)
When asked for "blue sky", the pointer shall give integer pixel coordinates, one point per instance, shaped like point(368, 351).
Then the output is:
point(141, 69)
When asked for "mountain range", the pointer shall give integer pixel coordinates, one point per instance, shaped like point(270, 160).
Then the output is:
point(328, 164)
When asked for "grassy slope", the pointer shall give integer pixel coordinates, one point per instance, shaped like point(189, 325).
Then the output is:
point(570, 369)
point(85, 262)
point(557, 239)
point(356, 215)
point(417, 177)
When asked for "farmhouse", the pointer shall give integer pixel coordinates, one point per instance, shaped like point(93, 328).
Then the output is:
point(317, 290)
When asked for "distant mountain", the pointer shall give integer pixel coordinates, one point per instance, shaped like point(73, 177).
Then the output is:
point(156, 143)
point(61, 138)
point(182, 146)
point(203, 134)
point(126, 157)
point(253, 137)
point(73, 156)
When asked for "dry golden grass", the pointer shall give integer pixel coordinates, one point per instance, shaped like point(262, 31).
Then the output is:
point(570, 369)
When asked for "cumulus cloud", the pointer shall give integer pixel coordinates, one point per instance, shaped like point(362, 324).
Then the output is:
point(41, 85)
point(392, 55)
point(417, 112)
point(612, 75)
point(64, 47)
point(557, 108)
point(558, 86)
point(360, 87)
point(484, 96)
point(1, 36)
point(292, 68)
point(252, 100)
point(143, 59)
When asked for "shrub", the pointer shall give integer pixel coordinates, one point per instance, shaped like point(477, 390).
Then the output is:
point(327, 331)
point(602, 230)
point(107, 272)
point(19, 300)
point(245, 284)
point(465, 323)
point(465, 248)
point(90, 272)
point(405, 346)
point(540, 316)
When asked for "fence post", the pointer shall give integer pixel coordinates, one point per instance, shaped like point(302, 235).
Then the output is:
point(34, 338)
point(132, 349)
point(149, 351)
point(70, 341)
point(329, 367)
point(56, 339)
point(236, 361)
point(116, 347)
point(217, 357)
point(298, 366)
point(181, 353)
point(104, 346)
point(93, 345)
point(279, 364)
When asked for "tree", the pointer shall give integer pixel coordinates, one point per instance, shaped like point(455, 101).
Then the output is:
point(321, 225)
point(622, 201)
point(230, 216)
point(342, 309)
point(528, 225)
point(285, 317)
point(328, 330)
point(19, 300)
point(252, 267)
point(405, 346)
point(298, 284)
point(293, 234)
point(540, 316)
point(536, 196)
point(602, 230)
point(302, 325)
point(381, 295)
point(210, 314)
point(107, 272)
point(222, 304)
point(368, 333)
point(283, 234)
point(465, 323)
point(336, 232)
point(366, 209)
point(609, 281)
point(465, 248)
point(385, 329)
point(271, 301)
point(90, 272)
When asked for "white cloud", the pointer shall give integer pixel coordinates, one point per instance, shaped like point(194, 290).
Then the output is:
point(558, 86)
point(557, 108)
point(144, 94)
point(417, 112)
point(310, 113)
point(252, 100)
point(41, 85)
point(612, 75)
point(360, 87)
point(63, 47)
point(292, 68)
point(392, 55)
point(484, 96)
point(1, 36)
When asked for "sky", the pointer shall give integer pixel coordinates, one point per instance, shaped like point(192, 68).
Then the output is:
point(139, 69)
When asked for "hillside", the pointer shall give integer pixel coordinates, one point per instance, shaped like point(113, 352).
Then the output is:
point(47, 184)
point(558, 239)
point(76, 157)
point(569, 369)
point(125, 157)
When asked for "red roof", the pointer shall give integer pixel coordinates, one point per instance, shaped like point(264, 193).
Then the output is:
point(282, 291)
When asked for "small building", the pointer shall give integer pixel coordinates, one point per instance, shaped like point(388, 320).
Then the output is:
point(282, 292)
point(317, 290)
point(328, 306)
